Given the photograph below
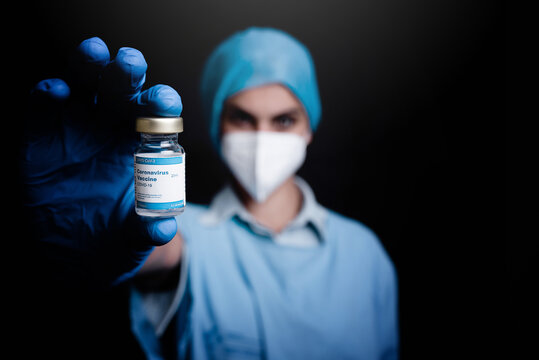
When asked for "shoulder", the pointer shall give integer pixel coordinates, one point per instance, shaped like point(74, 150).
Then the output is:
point(190, 218)
point(346, 224)
point(350, 231)
point(194, 210)
point(359, 241)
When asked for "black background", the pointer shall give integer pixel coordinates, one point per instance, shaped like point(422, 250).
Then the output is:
point(411, 138)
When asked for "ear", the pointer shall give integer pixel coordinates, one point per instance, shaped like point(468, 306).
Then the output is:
point(309, 137)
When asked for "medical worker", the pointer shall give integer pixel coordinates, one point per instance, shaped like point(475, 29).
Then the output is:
point(264, 271)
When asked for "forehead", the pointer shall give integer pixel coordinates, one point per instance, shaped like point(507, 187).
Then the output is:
point(266, 99)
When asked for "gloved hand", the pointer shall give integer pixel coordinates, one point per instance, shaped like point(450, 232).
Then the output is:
point(78, 166)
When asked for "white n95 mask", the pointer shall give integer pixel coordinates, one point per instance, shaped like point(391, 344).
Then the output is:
point(262, 160)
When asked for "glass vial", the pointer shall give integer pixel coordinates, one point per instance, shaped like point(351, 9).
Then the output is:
point(159, 167)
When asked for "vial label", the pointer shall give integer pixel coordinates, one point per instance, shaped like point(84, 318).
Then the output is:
point(159, 181)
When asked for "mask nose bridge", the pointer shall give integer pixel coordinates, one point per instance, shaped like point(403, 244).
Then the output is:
point(257, 154)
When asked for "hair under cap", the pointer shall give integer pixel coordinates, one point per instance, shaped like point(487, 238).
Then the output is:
point(256, 57)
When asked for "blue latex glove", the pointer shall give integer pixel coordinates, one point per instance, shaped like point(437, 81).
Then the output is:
point(78, 166)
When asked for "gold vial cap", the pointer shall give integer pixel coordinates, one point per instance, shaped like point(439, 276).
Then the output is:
point(159, 125)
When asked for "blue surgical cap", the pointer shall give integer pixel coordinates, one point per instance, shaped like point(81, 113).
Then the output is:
point(256, 57)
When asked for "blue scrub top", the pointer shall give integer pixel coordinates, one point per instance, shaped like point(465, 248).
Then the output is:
point(244, 295)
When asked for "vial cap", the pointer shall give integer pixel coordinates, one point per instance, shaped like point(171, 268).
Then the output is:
point(159, 125)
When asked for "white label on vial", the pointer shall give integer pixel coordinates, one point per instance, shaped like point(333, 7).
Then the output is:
point(159, 181)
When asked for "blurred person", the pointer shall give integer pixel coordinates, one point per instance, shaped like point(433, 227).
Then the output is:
point(264, 271)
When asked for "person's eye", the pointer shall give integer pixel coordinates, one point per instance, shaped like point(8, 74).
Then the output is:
point(284, 122)
point(241, 119)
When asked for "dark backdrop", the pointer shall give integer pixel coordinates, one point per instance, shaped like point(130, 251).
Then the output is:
point(412, 97)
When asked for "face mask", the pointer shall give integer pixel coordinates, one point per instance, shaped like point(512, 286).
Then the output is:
point(263, 160)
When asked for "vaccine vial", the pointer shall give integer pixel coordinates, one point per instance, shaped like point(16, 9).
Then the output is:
point(159, 167)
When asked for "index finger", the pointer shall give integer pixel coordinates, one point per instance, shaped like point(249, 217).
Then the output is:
point(86, 64)
point(123, 77)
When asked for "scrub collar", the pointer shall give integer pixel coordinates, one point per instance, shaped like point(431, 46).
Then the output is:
point(226, 205)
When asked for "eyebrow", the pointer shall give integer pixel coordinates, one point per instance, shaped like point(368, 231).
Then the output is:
point(293, 111)
point(236, 110)
point(231, 109)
